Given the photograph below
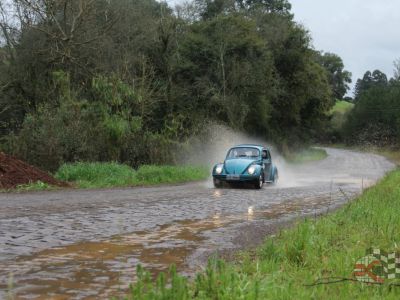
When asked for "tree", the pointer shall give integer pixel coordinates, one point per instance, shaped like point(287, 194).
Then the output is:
point(231, 75)
point(212, 8)
point(304, 94)
point(375, 118)
point(339, 78)
point(141, 76)
point(396, 64)
point(369, 80)
point(280, 7)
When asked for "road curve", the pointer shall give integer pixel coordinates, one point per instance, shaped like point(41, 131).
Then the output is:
point(83, 243)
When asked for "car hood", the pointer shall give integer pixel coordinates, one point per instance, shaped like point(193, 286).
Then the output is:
point(237, 165)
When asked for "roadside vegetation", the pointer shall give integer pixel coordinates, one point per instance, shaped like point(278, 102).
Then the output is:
point(342, 107)
point(339, 114)
point(108, 175)
point(374, 120)
point(133, 81)
point(104, 175)
point(370, 119)
point(34, 186)
point(287, 264)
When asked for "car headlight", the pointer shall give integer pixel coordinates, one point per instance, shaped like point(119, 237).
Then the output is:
point(251, 170)
point(219, 169)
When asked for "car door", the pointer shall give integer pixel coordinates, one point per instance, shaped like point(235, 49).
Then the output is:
point(267, 164)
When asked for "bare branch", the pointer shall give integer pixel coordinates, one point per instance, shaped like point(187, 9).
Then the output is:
point(7, 107)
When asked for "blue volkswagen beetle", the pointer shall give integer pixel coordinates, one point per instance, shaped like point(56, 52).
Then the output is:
point(246, 163)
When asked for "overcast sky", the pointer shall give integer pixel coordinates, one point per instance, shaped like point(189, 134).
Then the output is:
point(365, 33)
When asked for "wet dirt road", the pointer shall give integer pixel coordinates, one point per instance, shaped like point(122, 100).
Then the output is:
point(78, 244)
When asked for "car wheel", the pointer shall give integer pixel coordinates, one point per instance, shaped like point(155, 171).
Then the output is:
point(259, 183)
point(217, 183)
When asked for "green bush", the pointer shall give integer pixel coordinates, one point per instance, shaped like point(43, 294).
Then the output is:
point(339, 114)
point(375, 119)
point(88, 175)
point(105, 129)
point(99, 175)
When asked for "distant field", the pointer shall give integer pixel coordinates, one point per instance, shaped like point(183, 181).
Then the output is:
point(339, 113)
point(342, 107)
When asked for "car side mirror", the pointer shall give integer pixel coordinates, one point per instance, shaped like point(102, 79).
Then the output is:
point(264, 155)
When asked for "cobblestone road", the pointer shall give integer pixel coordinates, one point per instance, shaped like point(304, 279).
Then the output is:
point(81, 243)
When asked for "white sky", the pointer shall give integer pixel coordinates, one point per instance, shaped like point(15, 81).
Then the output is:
point(364, 33)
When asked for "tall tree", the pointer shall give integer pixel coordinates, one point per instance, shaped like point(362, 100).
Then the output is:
point(281, 7)
point(396, 64)
point(137, 76)
point(231, 73)
point(369, 80)
point(339, 78)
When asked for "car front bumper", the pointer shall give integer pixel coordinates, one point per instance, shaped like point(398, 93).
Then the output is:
point(237, 178)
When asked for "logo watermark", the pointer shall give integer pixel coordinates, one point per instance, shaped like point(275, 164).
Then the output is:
point(377, 266)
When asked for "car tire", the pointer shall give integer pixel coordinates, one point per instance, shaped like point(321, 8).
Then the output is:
point(259, 182)
point(217, 183)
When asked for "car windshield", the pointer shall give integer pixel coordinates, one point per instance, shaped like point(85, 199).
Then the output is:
point(243, 152)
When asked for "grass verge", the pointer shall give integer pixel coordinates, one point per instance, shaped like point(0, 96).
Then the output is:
point(105, 175)
point(285, 265)
point(30, 187)
point(307, 155)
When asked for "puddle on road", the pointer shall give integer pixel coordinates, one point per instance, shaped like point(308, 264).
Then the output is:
point(101, 269)
point(104, 268)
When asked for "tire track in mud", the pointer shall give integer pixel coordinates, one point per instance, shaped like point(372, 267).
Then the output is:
point(82, 244)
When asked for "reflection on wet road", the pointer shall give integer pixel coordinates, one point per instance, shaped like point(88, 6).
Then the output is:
point(82, 244)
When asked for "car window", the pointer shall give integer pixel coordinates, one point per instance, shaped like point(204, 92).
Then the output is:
point(243, 152)
point(266, 154)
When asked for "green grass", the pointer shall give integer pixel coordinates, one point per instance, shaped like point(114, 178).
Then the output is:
point(92, 175)
point(105, 175)
point(307, 155)
point(285, 264)
point(33, 186)
point(339, 113)
point(170, 174)
point(342, 107)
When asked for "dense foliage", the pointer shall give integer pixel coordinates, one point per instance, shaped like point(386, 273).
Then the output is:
point(375, 118)
point(129, 80)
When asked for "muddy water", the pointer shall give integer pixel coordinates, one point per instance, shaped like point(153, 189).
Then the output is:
point(87, 244)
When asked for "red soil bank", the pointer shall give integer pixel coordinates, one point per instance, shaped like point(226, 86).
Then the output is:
point(14, 172)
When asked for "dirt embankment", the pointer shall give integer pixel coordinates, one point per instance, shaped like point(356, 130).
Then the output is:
point(14, 172)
